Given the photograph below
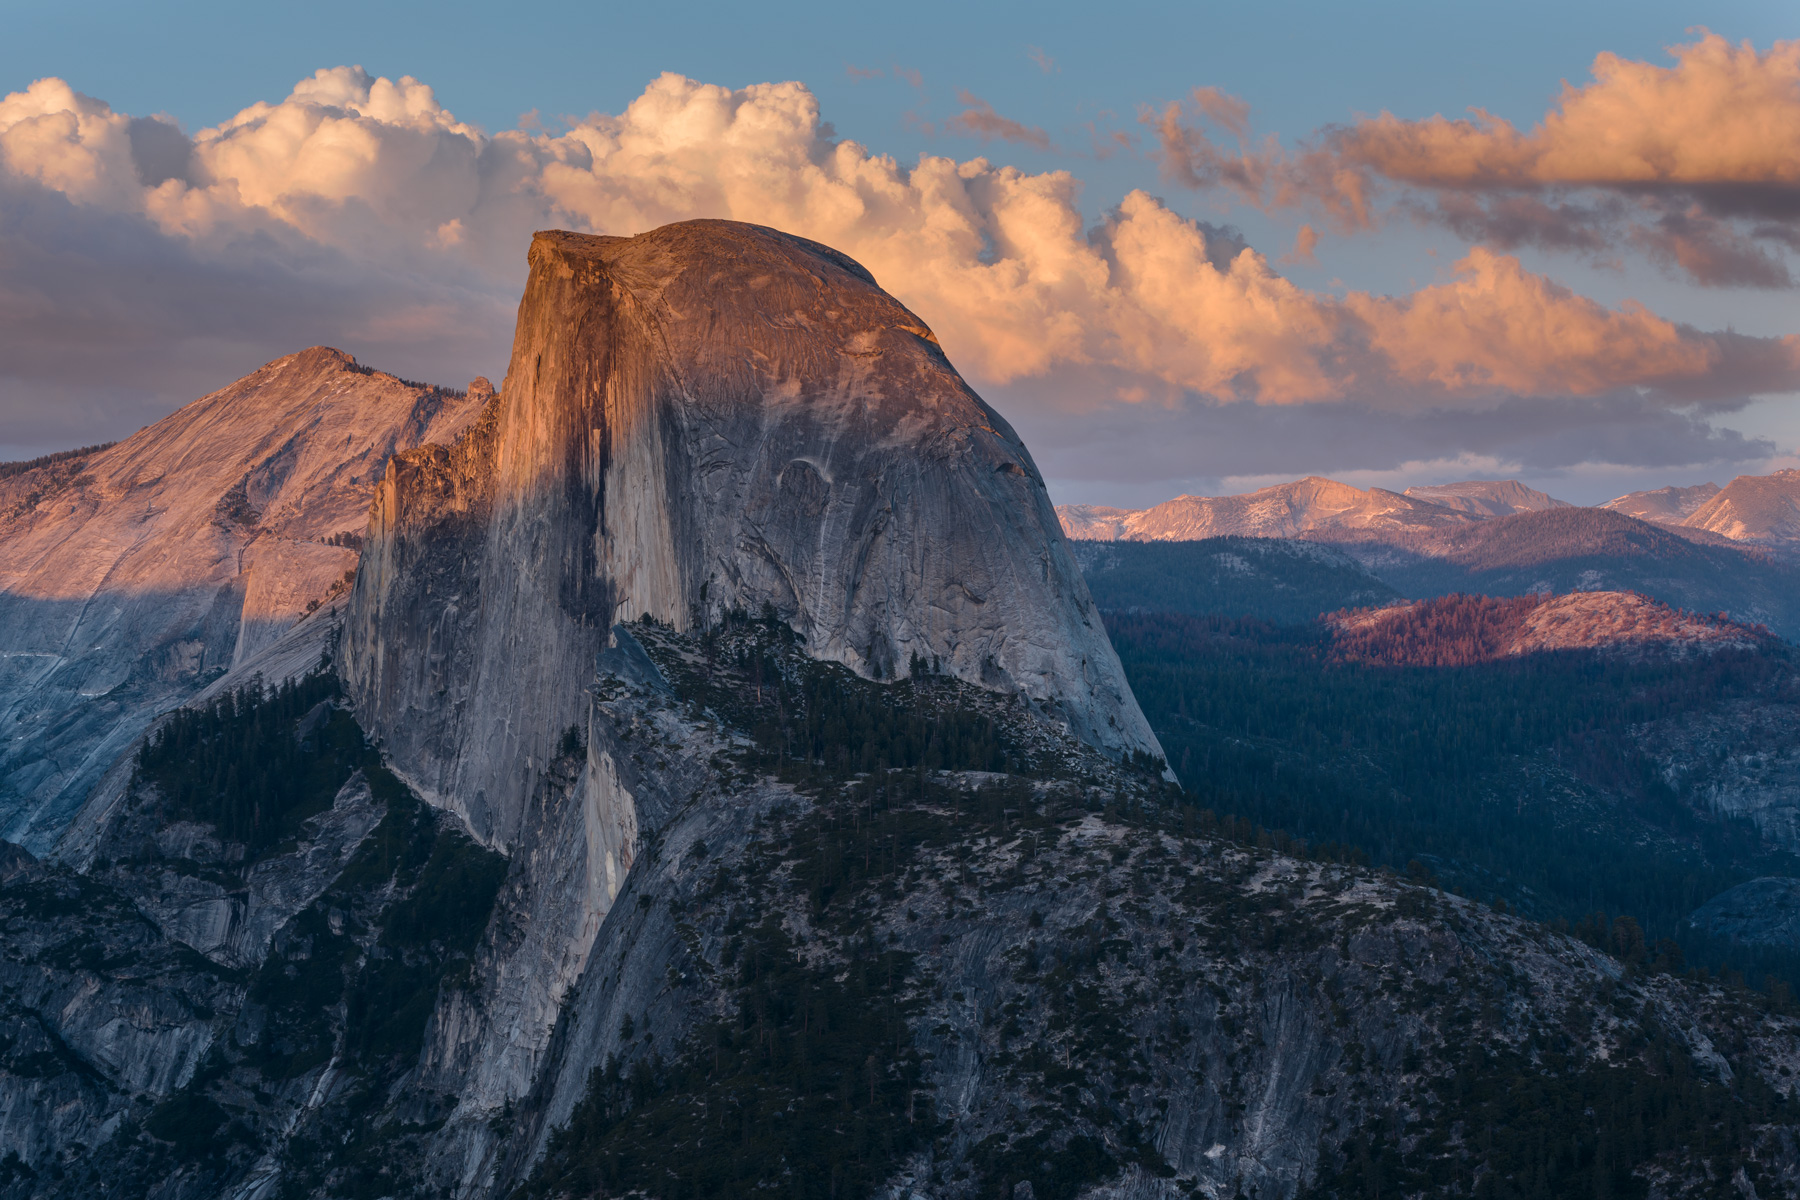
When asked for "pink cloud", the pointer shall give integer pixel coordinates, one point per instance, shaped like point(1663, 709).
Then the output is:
point(1001, 262)
point(978, 119)
point(1696, 164)
point(1305, 242)
point(1723, 115)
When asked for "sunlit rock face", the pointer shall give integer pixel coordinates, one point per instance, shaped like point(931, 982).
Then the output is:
point(1664, 505)
point(1754, 508)
point(1310, 507)
point(1487, 497)
point(710, 415)
point(132, 577)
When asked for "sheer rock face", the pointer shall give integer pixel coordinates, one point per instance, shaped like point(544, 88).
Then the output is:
point(132, 577)
point(705, 416)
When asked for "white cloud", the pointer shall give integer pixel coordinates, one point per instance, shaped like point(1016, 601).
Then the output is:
point(359, 211)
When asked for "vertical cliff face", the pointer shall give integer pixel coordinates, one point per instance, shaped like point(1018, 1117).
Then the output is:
point(705, 417)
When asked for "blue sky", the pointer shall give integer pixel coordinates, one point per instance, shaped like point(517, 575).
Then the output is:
point(1072, 72)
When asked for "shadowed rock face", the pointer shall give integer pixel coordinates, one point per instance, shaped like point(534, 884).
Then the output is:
point(132, 577)
point(710, 415)
point(1763, 912)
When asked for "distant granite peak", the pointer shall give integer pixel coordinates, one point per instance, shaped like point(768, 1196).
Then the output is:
point(1664, 505)
point(1306, 506)
point(1487, 497)
point(1762, 509)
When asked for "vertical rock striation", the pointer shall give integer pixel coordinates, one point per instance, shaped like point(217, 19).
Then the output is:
point(708, 416)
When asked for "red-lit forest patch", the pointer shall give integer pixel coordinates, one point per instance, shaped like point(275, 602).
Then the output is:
point(1457, 631)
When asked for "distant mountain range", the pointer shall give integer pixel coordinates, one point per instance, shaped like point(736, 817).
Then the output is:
point(1759, 510)
point(1730, 550)
point(1306, 506)
point(1279, 580)
point(1664, 505)
point(1487, 497)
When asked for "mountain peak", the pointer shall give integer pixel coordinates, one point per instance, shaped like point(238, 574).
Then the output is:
point(143, 570)
point(1487, 497)
point(1763, 509)
point(707, 418)
point(1664, 505)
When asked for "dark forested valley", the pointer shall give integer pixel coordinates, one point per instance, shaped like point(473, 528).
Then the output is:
point(1578, 787)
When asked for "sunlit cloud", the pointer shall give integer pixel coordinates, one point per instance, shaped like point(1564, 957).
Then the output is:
point(359, 211)
point(1696, 164)
point(1306, 242)
point(978, 119)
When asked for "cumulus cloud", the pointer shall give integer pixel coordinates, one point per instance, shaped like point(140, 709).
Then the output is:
point(1697, 164)
point(1723, 119)
point(359, 211)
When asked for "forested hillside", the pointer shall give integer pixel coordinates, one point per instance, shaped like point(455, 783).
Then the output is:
point(1273, 579)
point(1588, 549)
point(1525, 782)
point(1460, 631)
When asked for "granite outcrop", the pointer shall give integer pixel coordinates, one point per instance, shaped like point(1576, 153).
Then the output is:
point(134, 576)
point(709, 417)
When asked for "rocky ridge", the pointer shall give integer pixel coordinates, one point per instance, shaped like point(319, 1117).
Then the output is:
point(1763, 509)
point(132, 577)
point(1665, 505)
point(1284, 580)
point(1754, 510)
point(1309, 506)
point(1487, 497)
point(1762, 912)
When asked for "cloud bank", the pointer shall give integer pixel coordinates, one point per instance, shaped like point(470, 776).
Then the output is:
point(1696, 165)
point(358, 211)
